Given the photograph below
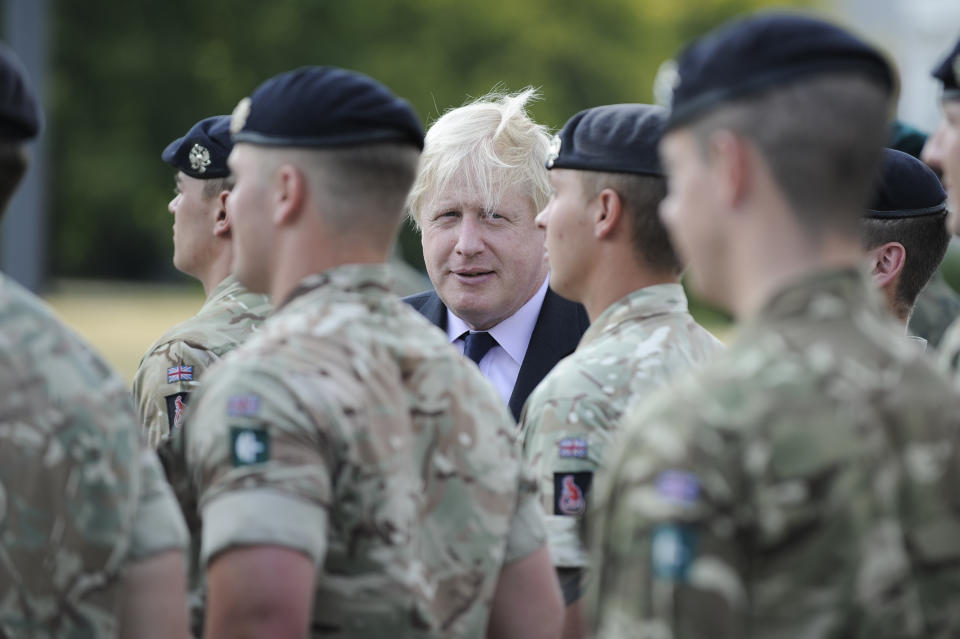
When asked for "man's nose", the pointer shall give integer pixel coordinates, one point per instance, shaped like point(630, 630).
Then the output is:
point(470, 236)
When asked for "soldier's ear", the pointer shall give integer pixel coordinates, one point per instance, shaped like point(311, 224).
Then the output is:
point(732, 166)
point(886, 262)
point(289, 194)
point(607, 215)
point(221, 226)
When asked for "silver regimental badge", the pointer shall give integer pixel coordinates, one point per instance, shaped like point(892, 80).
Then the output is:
point(666, 82)
point(199, 158)
point(239, 117)
point(554, 151)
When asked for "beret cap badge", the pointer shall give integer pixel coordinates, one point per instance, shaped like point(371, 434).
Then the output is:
point(199, 158)
point(240, 115)
point(554, 151)
point(667, 79)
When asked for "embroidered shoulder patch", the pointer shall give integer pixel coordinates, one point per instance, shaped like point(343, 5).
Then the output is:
point(243, 405)
point(570, 493)
point(572, 447)
point(673, 550)
point(176, 405)
point(249, 446)
point(179, 373)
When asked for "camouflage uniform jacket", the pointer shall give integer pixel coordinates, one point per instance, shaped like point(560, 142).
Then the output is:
point(350, 430)
point(570, 419)
point(948, 354)
point(173, 365)
point(80, 493)
point(802, 485)
point(936, 308)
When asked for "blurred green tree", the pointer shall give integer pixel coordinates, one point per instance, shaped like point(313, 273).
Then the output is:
point(128, 77)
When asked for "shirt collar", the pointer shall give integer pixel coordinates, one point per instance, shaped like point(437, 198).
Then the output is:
point(512, 334)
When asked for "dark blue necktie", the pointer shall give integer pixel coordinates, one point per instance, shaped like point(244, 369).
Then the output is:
point(476, 345)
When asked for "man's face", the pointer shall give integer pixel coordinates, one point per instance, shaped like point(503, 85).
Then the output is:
point(688, 212)
point(942, 152)
point(250, 216)
point(194, 217)
point(569, 233)
point(484, 264)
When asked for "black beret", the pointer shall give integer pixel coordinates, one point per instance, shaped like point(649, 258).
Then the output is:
point(760, 52)
point(202, 152)
point(324, 107)
point(948, 72)
point(619, 138)
point(20, 116)
point(907, 188)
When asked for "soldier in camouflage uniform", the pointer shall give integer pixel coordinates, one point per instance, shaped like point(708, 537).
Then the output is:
point(942, 152)
point(356, 476)
point(175, 364)
point(937, 305)
point(904, 232)
point(803, 483)
point(89, 531)
point(609, 251)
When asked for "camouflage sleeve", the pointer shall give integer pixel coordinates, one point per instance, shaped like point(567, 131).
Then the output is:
point(168, 375)
point(527, 532)
point(564, 441)
point(158, 525)
point(260, 465)
point(664, 554)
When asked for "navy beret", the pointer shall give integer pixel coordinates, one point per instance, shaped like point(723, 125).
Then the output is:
point(907, 188)
point(324, 107)
point(948, 72)
point(761, 52)
point(202, 153)
point(20, 115)
point(618, 138)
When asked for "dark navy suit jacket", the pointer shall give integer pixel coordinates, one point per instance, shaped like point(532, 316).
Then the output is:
point(558, 330)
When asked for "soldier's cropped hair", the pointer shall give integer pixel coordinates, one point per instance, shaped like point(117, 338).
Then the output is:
point(213, 188)
point(640, 196)
point(493, 143)
point(925, 240)
point(360, 187)
point(822, 139)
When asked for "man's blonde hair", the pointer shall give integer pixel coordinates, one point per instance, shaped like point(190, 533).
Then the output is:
point(493, 144)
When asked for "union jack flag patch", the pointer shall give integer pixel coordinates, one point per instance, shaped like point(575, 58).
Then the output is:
point(179, 374)
point(575, 447)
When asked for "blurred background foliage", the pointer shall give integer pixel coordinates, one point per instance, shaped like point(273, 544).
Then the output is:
point(128, 77)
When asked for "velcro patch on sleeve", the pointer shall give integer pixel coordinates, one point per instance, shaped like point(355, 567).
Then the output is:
point(176, 405)
point(673, 550)
point(570, 493)
point(249, 446)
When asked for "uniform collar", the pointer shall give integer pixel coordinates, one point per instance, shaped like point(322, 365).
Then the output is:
point(649, 301)
point(822, 295)
point(349, 278)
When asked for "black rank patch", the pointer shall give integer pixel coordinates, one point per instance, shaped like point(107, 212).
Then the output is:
point(176, 406)
point(570, 493)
